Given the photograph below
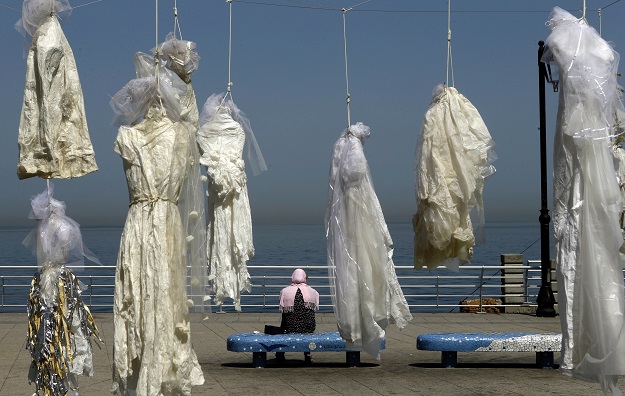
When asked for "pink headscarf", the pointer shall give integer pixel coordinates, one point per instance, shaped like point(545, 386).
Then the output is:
point(287, 295)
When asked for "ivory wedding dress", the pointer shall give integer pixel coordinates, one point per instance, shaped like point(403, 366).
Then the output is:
point(153, 353)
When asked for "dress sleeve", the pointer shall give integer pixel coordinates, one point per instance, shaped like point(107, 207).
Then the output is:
point(121, 145)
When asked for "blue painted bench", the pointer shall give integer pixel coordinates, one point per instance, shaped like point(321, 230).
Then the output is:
point(544, 344)
point(259, 344)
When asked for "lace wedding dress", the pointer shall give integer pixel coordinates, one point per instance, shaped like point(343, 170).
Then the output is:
point(230, 245)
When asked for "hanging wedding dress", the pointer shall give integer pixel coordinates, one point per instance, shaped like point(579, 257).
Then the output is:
point(60, 325)
point(152, 347)
point(452, 160)
point(587, 203)
point(181, 57)
point(365, 291)
point(53, 138)
point(223, 137)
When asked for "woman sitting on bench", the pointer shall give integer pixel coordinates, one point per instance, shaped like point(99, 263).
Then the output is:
point(298, 303)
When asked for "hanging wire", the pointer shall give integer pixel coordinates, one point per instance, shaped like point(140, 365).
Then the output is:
point(157, 53)
point(230, 49)
point(583, 17)
point(349, 121)
point(176, 22)
point(359, 4)
point(599, 12)
point(450, 63)
point(324, 8)
point(73, 8)
point(10, 8)
point(348, 96)
point(86, 4)
point(230, 83)
point(612, 3)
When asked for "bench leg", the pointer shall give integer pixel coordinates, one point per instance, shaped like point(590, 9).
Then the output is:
point(259, 359)
point(544, 360)
point(352, 358)
point(449, 359)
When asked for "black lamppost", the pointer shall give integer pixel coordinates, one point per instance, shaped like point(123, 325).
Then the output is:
point(545, 299)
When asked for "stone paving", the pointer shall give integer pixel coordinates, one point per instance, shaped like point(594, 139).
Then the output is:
point(403, 370)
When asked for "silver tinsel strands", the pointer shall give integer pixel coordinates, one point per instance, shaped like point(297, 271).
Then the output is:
point(54, 330)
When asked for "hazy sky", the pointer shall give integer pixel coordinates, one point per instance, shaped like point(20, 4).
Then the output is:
point(289, 78)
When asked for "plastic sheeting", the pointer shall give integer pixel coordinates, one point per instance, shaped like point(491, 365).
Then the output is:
point(587, 203)
point(53, 137)
point(132, 102)
point(180, 57)
point(224, 132)
point(452, 159)
point(365, 291)
point(57, 240)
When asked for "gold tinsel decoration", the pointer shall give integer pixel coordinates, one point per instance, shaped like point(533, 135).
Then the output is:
point(52, 328)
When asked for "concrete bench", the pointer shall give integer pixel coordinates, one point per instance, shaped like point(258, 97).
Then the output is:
point(259, 344)
point(544, 344)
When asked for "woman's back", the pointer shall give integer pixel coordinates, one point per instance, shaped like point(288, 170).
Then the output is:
point(301, 319)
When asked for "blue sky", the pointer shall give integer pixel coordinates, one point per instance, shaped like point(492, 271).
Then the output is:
point(289, 78)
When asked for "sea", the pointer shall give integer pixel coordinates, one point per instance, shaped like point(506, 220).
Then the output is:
point(275, 245)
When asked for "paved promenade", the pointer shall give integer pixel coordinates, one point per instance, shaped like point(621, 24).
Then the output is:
point(403, 369)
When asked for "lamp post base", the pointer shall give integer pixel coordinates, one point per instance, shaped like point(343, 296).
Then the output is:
point(546, 302)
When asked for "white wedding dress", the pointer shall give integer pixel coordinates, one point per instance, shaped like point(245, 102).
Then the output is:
point(366, 294)
point(229, 237)
point(587, 203)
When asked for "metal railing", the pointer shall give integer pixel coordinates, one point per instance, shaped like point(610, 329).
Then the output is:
point(440, 290)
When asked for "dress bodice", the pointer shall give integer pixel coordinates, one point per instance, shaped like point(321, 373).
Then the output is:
point(588, 67)
point(222, 136)
point(221, 141)
point(155, 153)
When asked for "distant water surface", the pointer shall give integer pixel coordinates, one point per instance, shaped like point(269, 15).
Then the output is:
point(276, 245)
point(296, 244)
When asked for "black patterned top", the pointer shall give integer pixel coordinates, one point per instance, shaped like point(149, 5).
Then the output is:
point(301, 319)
